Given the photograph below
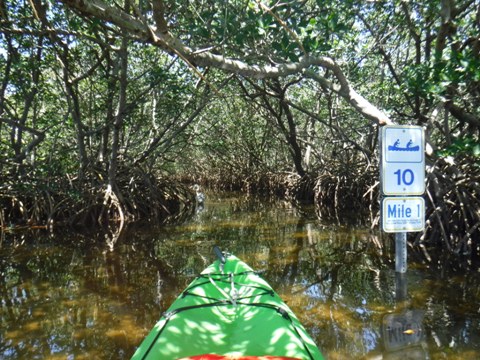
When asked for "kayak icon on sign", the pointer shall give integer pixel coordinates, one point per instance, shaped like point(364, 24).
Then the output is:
point(396, 146)
point(402, 144)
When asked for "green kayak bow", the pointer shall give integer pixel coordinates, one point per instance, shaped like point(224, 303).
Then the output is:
point(229, 312)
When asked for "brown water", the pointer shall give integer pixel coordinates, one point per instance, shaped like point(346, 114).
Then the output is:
point(70, 296)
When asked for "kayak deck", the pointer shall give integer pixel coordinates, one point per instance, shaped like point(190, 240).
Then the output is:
point(228, 310)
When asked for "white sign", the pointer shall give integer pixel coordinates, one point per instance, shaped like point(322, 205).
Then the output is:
point(403, 214)
point(403, 160)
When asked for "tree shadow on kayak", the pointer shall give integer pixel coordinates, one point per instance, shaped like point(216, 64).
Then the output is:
point(228, 310)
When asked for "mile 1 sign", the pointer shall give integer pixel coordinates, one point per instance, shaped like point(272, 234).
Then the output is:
point(403, 214)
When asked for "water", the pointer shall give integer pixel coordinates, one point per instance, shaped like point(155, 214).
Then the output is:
point(71, 296)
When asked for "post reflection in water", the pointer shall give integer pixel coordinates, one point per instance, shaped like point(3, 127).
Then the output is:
point(402, 329)
point(74, 296)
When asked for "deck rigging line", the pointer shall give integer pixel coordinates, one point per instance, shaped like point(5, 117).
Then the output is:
point(227, 301)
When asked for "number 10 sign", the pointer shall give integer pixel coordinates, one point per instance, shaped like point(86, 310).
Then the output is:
point(403, 160)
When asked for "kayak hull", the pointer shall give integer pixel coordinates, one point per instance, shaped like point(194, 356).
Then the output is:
point(228, 310)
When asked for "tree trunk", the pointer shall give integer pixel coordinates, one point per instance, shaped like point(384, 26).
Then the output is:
point(291, 135)
point(119, 116)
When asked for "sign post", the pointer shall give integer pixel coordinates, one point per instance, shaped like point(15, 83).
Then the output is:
point(403, 180)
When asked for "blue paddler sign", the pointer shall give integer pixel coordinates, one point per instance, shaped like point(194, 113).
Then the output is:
point(396, 146)
point(403, 160)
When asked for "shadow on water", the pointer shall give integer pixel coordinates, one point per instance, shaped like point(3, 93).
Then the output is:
point(73, 296)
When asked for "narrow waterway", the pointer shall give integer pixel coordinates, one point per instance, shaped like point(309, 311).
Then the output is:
point(95, 296)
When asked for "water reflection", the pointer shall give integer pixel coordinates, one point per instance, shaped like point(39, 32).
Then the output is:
point(402, 329)
point(71, 296)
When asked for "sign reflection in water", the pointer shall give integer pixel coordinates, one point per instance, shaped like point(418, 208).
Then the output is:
point(402, 330)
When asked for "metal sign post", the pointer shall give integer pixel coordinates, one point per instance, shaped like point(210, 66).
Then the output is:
point(401, 252)
point(402, 177)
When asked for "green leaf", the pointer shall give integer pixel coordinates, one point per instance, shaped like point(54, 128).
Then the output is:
point(476, 150)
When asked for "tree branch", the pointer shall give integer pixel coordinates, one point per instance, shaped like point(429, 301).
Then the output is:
point(159, 16)
point(356, 100)
point(173, 45)
point(462, 115)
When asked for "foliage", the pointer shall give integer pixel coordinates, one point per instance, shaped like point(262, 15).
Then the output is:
point(465, 146)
